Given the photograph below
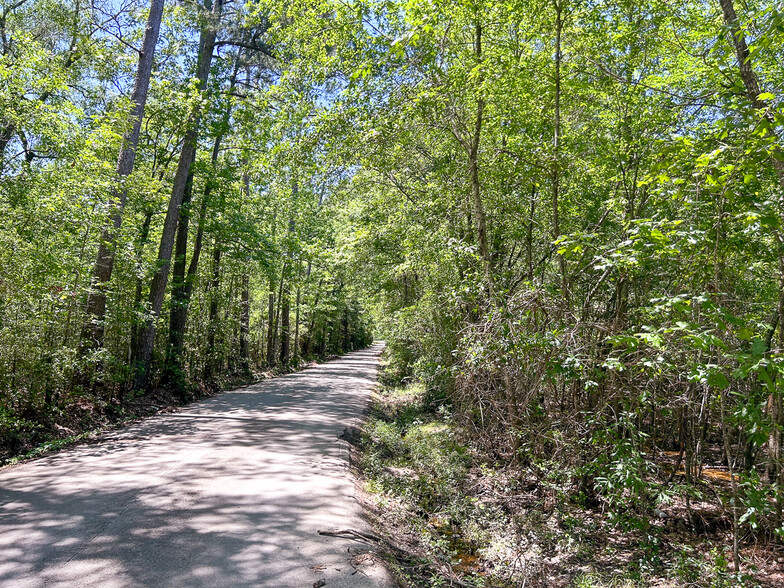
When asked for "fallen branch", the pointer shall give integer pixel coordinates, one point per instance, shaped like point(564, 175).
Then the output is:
point(351, 533)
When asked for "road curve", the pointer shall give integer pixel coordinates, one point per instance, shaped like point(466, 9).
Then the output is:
point(230, 491)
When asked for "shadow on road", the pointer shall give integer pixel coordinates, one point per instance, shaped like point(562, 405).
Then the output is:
point(229, 492)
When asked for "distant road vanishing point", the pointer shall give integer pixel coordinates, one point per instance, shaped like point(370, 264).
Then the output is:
point(230, 491)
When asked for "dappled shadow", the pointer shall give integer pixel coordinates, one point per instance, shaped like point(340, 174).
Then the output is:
point(230, 491)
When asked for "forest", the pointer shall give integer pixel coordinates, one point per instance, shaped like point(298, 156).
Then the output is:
point(564, 217)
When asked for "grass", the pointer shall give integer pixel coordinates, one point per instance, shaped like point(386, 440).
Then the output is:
point(416, 469)
point(51, 447)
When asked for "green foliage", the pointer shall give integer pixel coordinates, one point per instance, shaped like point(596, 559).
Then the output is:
point(437, 463)
point(599, 581)
point(622, 475)
point(261, 217)
point(564, 217)
point(14, 429)
point(706, 569)
point(623, 307)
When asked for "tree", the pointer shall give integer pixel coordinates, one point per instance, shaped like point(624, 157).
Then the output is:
point(158, 285)
point(93, 329)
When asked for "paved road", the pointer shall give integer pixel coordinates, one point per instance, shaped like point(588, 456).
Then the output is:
point(228, 492)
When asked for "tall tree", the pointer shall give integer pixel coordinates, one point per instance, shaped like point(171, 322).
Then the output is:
point(93, 329)
point(182, 281)
point(776, 158)
point(207, 37)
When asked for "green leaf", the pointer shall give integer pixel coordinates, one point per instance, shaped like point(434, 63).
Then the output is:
point(718, 380)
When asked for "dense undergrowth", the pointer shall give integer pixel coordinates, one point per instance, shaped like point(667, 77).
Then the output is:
point(462, 515)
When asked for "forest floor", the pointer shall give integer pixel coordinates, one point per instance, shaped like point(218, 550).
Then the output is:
point(247, 488)
point(454, 515)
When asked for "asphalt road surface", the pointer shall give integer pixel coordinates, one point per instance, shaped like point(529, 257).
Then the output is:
point(230, 491)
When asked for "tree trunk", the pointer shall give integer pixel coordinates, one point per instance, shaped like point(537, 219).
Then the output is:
point(556, 173)
point(326, 334)
point(6, 134)
point(473, 170)
point(312, 328)
point(178, 312)
point(277, 313)
point(285, 331)
point(230, 350)
point(245, 324)
point(213, 324)
point(158, 285)
point(529, 236)
point(271, 327)
point(285, 321)
point(137, 298)
point(751, 84)
point(93, 330)
point(346, 341)
point(296, 328)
